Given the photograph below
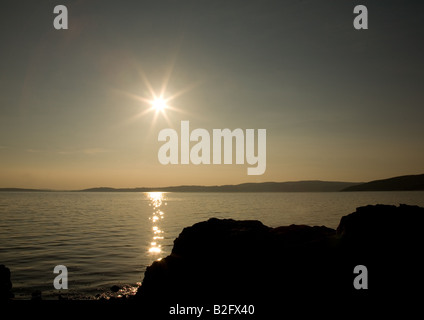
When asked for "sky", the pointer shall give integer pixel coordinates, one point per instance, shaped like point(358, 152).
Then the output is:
point(338, 104)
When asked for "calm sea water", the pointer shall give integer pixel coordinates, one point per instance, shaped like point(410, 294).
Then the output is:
point(107, 239)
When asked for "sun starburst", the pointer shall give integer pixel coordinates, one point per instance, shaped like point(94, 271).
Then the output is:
point(159, 103)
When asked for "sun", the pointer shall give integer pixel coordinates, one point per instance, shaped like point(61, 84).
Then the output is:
point(159, 104)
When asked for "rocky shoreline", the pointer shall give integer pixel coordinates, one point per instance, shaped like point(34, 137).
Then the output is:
point(224, 261)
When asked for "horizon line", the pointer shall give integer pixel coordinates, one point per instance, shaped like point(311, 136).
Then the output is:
point(179, 186)
point(194, 185)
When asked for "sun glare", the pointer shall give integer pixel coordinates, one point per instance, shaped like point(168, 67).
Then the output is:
point(159, 104)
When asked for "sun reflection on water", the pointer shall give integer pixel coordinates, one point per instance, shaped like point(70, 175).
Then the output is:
point(156, 202)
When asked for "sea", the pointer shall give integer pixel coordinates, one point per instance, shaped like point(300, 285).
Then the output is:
point(107, 239)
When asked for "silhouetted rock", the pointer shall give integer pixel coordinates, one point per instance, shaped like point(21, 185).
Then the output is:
point(5, 284)
point(227, 261)
point(389, 241)
point(379, 224)
point(36, 295)
point(115, 288)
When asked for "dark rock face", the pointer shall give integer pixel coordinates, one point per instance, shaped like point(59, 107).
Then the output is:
point(115, 288)
point(5, 284)
point(382, 223)
point(389, 240)
point(227, 261)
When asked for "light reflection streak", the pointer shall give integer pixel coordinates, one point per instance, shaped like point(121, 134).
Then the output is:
point(156, 202)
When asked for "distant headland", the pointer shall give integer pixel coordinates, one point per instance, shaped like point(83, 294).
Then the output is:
point(401, 183)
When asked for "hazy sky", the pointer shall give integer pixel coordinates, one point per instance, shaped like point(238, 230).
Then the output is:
point(337, 103)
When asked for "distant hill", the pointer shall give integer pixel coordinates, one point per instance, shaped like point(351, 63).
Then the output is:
point(402, 183)
point(108, 189)
point(295, 186)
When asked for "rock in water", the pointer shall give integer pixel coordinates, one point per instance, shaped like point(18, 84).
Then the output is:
point(389, 241)
point(5, 284)
point(228, 261)
point(114, 288)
